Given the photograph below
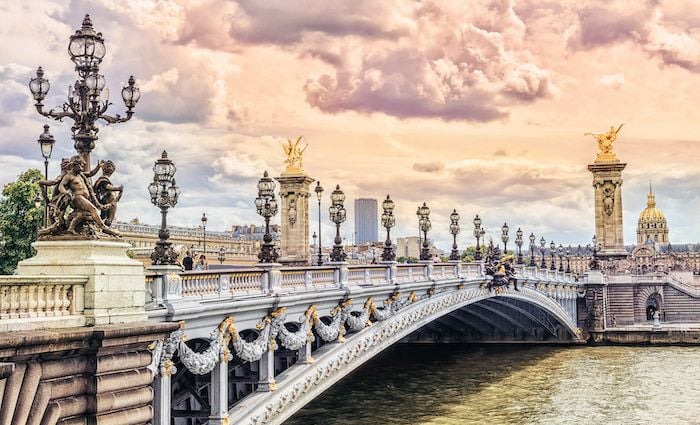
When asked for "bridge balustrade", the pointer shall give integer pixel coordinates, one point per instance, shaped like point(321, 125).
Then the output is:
point(31, 302)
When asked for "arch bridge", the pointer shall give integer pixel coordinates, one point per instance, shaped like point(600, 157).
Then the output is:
point(255, 345)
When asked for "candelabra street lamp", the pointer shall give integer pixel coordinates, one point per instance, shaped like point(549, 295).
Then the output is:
point(388, 221)
point(87, 99)
point(533, 263)
point(568, 259)
point(477, 235)
point(543, 243)
point(504, 237)
point(46, 142)
point(319, 192)
point(424, 225)
point(222, 255)
point(519, 243)
point(164, 195)
point(266, 206)
point(454, 229)
point(337, 215)
point(204, 232)
point(552, 250)
point(561, 258)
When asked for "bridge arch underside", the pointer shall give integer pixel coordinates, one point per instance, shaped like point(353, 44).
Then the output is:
point(478, 316)
point(495, 320)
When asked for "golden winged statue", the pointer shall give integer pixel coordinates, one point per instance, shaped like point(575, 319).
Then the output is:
point(294, 153)
point(605, 142)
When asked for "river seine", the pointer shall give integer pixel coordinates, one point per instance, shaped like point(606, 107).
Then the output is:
point(490, 384)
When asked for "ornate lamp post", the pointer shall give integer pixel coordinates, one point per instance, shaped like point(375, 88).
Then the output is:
point(552, 250)
point(454, 229)
point(388, 221)
point(337, 216)
point(543, 243)
point(313, 249)
point(532, 251)
point(561, 258)
point(222, 255)
point(46, 142)
point(319, 193)
point(519, 243)
point(482, 233)
point(595, 264)
point(424, 225)
point(87, 99)
point(266, 206)
point(568, 259)
point(504, 237)
point(204, 232)
point(477, 235)
point(164, 194)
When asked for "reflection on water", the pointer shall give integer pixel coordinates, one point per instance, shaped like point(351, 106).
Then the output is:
point(463, 384)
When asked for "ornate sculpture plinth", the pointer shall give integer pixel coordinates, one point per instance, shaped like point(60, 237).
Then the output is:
point(607, 184)
point(116, 287)
point(294, 221)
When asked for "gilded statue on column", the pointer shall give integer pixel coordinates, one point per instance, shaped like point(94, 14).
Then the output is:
point(294, 151)
point(605, 143)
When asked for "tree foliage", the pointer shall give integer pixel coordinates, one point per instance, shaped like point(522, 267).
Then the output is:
point(19, 219)
point(468, 254)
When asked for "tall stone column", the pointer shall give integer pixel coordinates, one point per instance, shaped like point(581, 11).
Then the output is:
point(607, 186)
point(294, 220)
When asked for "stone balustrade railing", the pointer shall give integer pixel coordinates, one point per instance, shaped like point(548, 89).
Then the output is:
point(30, 302)
point(261, 281)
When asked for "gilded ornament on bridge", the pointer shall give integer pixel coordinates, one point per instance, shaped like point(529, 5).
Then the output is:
point(605, 143)
point(76, 209)
point(294, 153)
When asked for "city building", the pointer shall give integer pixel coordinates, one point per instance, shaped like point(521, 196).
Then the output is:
point(366, 224)
point(653, 252)
point(241, 245)
point(652, 225)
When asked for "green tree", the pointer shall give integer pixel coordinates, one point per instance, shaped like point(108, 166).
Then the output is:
point(19, 219)
point(468, 254)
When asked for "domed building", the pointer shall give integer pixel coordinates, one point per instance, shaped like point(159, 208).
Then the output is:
point(652, 225)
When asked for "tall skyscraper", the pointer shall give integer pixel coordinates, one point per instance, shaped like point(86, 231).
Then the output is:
point(366, 221)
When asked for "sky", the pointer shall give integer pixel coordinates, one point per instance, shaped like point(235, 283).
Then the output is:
point(478, 106)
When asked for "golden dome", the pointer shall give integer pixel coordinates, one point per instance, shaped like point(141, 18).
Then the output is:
point(651, 214)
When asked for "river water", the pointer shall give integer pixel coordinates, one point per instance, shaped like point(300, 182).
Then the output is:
point(512, 384)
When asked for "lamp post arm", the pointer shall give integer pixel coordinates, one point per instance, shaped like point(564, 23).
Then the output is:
point(116, 118)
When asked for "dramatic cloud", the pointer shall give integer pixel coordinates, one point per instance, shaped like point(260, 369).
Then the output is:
point(479, 106)
point(455, 63)
point(675, 41)
point(428, 167)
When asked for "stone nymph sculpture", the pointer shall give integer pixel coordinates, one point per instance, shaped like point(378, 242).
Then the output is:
point(76, 208)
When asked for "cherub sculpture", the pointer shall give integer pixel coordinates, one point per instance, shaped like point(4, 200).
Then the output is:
point(107, 194)
point(74, 209)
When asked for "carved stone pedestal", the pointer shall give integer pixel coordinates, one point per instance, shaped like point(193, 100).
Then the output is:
point(607, 184)
point(116, 286)
point(294, 219)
